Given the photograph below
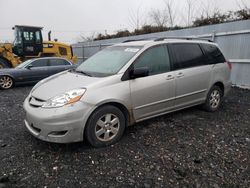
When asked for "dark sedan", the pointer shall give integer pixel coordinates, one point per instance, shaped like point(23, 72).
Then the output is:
point(32, 71)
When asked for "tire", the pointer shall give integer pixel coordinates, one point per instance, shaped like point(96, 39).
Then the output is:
point(4, 64)
point(100, 131)
point(214, 99)
point(6, 82)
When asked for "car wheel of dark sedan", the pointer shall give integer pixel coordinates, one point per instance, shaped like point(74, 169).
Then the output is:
point(105, 126)
point(6, 82)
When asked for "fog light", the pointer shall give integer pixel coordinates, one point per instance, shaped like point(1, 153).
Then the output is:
point(58, 133)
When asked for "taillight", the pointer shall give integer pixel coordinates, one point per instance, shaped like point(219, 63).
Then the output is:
point(229, 65)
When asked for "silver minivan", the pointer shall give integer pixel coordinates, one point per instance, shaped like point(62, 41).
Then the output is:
point(125, 84)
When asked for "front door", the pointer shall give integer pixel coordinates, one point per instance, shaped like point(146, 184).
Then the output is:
point(153, 94)
point(36, 71)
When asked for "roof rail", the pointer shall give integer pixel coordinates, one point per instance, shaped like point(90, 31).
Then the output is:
point(184, 38)
point(133, 40)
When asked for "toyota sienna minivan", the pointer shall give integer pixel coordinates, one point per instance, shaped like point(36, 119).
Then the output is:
point(125, 84)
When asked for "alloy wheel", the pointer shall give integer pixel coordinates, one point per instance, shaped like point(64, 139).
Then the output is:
point(214, 99)
point(107, 127)
point(6, 82)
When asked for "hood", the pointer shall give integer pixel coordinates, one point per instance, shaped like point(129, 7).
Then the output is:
point(61, 83)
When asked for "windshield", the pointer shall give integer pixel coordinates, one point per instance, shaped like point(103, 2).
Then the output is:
point(108, 61)
point(24, 64)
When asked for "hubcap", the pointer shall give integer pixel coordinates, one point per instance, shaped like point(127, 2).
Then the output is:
point(107, 127)
point(6, 82)
point(214, 99)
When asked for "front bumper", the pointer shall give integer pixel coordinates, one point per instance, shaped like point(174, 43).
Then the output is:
point(60, 125)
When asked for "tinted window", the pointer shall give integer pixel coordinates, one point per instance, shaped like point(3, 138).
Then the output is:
point(156, 59)
point(58, 62)
point(187, 55)
point(214, 55)
point(40, 63)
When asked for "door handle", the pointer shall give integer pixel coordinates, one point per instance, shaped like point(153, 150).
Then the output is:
point(170, 77)
point(180, 74)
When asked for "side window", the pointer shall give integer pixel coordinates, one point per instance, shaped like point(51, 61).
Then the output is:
point(40, 63)
point(187, 55)
point(62, 51)
point(58, 62)
point(38, 37)
point(156, 59)
point(214, 55)
point(28, 36)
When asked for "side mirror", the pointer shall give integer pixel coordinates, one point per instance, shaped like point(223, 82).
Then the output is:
point(29, 67)
point(139, 72)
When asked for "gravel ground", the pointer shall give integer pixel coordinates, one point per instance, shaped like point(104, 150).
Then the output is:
point(190, 148)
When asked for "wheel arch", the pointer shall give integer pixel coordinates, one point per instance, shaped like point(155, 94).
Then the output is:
point(221, 86)
point(11, 76)
point(127, 113)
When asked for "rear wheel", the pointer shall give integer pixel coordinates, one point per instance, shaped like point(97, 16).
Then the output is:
point(6, 82)
point(214, 99)
point(105, 126)
point(4, 64)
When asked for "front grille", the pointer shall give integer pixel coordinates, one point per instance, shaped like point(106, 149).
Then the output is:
point(35, 102)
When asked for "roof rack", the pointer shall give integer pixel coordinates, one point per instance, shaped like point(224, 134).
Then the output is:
point(170, 37)
point(184, 38)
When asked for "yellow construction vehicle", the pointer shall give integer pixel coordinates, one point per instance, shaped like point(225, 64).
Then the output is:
point(29, 44)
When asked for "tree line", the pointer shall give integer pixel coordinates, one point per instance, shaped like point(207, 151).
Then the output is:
point(165, 19)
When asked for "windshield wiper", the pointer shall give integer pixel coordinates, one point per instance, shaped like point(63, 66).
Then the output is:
point(83, 72)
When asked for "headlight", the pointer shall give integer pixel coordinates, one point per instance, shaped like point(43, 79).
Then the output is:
point(69, 97)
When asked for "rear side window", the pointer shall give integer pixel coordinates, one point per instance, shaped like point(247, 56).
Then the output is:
point(62, 51)
point(213, 54)
point(156, 59)
point(58, 62)
point(187, 55)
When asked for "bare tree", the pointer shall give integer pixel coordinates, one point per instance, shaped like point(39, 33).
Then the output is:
point(170, 11)
point(136, 18)
point(189, 8)
point(89, 38)
point(242, 4)
point(159, 17)
point(164, 17)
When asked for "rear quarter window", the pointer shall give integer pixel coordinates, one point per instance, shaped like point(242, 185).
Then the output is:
point(213, 54)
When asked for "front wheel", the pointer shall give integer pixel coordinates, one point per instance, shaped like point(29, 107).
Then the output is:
point(105, 126)
point(214, 99)
point(6, 82)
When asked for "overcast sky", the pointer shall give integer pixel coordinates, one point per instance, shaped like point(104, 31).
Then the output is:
point(70, 19)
